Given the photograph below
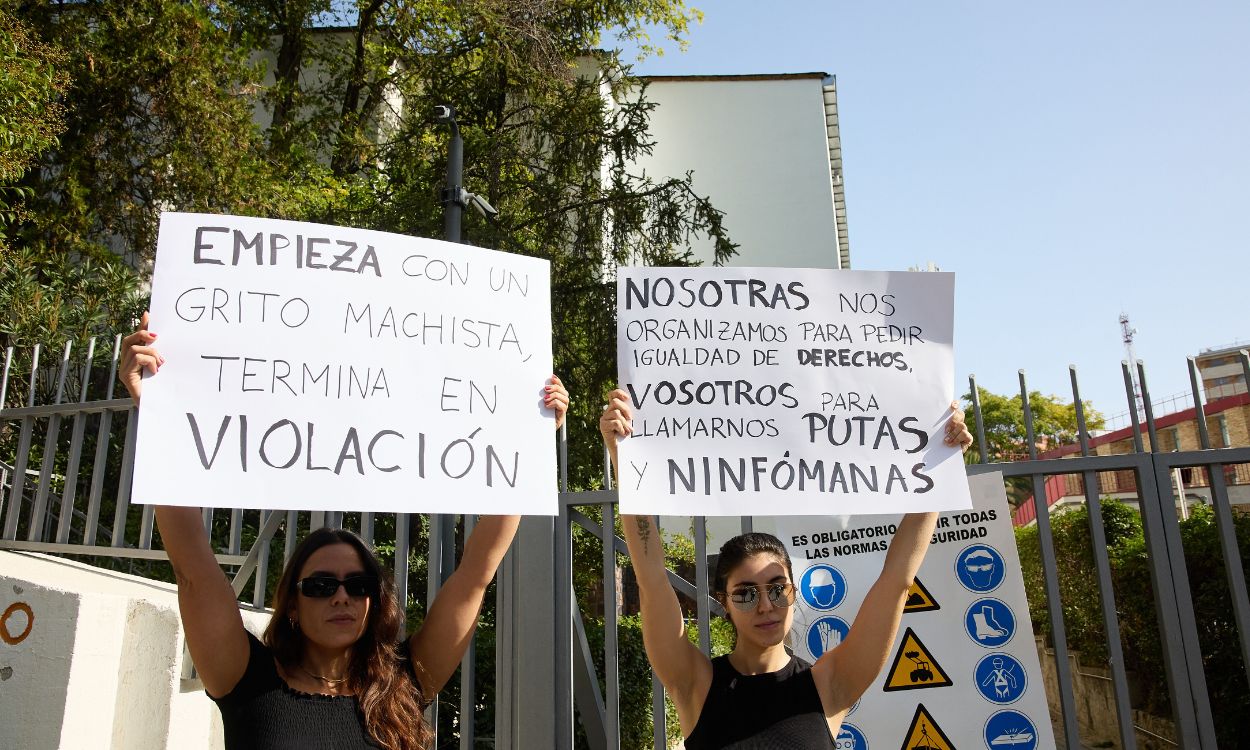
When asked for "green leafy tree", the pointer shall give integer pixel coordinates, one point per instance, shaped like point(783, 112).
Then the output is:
point(1006, 438)
point(1054, 423)
point(542, 143)
point(46, 299)
point(31, 116)
point(144, 106)
point(1213, 610)
point(160, 115)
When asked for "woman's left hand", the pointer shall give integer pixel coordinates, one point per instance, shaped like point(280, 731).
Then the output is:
point(556, 398)
point(957, 430)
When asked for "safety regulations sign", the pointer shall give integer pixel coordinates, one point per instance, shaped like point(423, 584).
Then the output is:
point(963, 672)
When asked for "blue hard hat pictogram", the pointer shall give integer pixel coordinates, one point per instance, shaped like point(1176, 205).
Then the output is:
point(822, 587)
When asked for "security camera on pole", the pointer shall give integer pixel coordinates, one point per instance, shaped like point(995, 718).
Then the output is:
point(454, 197)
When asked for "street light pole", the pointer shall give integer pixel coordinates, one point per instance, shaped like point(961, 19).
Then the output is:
point(444, 525)
point(453, 205)
point(441, 549)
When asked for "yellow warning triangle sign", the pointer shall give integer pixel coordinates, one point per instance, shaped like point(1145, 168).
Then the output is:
point(914, 667)
point(919, 599)
point(924, 733)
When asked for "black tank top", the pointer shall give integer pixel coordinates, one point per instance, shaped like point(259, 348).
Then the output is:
point(262, 712)
point(773, 711)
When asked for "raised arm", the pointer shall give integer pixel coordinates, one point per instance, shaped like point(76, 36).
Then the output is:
point(849, 669)
point(439, 645)
point(206, 602)
point(684, 671)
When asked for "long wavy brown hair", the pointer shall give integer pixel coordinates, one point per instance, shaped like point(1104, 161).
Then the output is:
point(389, 698)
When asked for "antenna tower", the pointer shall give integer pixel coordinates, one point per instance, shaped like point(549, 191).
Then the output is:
point(1127, 331)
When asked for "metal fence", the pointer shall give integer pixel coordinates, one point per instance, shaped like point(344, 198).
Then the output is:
point(544, 664)
point(77, 501)
point(1151, 469)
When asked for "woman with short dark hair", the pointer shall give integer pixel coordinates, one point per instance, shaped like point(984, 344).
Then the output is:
point(331, 671)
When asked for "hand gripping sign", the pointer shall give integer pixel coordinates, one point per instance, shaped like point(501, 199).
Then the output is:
point(319, 367)
point(786, 391)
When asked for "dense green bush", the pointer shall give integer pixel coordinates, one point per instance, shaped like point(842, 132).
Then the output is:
point(1078, 588)
point(1135, 605)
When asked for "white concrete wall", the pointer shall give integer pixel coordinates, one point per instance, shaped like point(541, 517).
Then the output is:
point(760, 150)
point(97, 662)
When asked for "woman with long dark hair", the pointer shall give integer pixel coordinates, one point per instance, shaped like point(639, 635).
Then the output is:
point(761, 695)
point(332, 670)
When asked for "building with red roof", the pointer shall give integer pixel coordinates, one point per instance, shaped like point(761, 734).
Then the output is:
point(1228, 424)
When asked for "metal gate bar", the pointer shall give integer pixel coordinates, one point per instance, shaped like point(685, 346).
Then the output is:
point(565, 607)
point(23, 452)
point(1050, 572)
point(611, 667)
point(1175, 602)
point(35, 530)
point(1102, 567)
point(1224, 517)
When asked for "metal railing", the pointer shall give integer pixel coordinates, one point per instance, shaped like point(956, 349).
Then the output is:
point(78, 501)
point(1183, 659)
point(544, 663)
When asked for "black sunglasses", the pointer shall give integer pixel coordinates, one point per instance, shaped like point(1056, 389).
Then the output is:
point(748, 597)
point(323, 587)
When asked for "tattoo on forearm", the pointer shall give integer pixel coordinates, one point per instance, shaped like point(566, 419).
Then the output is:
point(644, 532)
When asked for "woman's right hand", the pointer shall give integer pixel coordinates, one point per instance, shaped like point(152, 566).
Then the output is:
point(139, 354)
point(617, 420)
point(617, 417)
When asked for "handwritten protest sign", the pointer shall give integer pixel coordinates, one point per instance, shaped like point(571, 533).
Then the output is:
point(319, 367)
point(786, 391)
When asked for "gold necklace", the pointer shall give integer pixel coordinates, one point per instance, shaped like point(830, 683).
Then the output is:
point(326, 680)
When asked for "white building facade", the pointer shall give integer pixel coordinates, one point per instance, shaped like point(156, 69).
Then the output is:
point(767, 151)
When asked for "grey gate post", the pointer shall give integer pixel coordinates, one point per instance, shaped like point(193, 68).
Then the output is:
point(525, 679)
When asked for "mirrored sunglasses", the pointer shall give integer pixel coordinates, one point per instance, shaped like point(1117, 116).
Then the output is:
point(747, 598)
point(322, 587)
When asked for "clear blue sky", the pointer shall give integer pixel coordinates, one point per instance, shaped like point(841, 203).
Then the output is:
point(1068, 161)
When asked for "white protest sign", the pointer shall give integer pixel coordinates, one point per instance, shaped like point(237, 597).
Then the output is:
point(963, 671)
point(786, 391)
point(319, 367)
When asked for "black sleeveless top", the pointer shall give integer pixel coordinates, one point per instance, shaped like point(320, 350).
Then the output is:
point(773, 711)
point(262, 712)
